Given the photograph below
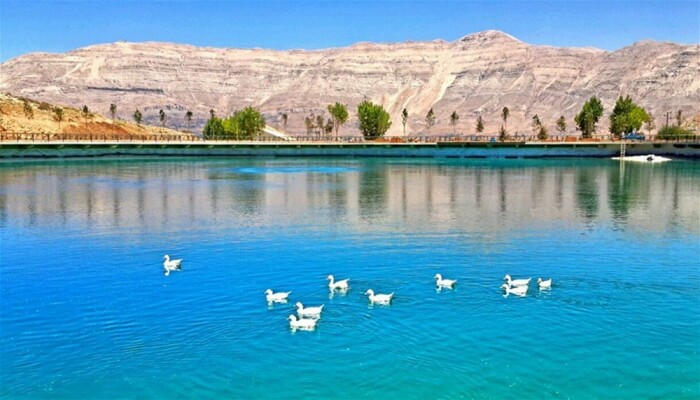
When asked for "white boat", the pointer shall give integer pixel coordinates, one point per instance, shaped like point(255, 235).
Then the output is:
point(650, 158)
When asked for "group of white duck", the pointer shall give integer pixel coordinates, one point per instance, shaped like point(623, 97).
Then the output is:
point(307, 317)
point(519, 287)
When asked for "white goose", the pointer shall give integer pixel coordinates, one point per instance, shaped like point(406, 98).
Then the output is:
point(279, 297)
point(171, 265)
point(338, 285)
point(302, 324)
point(516, 290)
point(544, 284)
point(309, 312)
point(516, 282)
point(379, 298)
point(446, 283)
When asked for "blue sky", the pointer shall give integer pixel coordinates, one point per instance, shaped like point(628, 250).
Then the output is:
point(57, 26)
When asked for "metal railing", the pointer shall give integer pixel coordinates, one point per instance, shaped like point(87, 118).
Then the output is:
point(185, 138)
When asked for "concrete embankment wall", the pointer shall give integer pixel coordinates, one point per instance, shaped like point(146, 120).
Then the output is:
point(286, 149)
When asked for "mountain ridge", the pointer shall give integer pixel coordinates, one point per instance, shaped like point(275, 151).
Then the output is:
point(477, 74)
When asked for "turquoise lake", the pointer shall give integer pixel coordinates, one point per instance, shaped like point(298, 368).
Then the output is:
point(86, 311)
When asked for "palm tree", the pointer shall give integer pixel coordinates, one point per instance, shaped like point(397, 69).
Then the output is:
point(138, 117)
point(319, 124)
point(113, 111)
point(161, 113)
point(453, 121)
point(309, 122)
point(212, 114)
point(504, 114)
point(188, 118)
point(284, 121)
point(430, 120)
point(404, 119)
point(479, 124)
point(58, 116)
point(86, 114)
point(502, 134)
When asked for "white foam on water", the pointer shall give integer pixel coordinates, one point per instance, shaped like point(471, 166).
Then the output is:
point(646, 159)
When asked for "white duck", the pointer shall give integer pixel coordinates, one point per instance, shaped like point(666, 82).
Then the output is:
point(516, 290)
point(309, 312)
point(379, 298)
point(338, 285)
point(544, 284)
point(516, 282)
point(279, 297)
point(302, 324)
point(446, 283)
point(171, 265)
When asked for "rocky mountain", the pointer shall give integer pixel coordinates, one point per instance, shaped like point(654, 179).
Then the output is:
point(478, 74)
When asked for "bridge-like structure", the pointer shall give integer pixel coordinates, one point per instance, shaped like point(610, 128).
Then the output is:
point(189, 146)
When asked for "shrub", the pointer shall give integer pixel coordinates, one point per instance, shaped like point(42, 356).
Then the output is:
point(674, 132)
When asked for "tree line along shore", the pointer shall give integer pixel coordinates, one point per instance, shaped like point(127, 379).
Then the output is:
point(374, 121)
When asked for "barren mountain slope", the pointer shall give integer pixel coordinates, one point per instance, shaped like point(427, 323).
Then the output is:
point(40, 119)
point(478, 74)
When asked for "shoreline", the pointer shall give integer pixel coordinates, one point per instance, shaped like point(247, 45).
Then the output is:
point(73, 149)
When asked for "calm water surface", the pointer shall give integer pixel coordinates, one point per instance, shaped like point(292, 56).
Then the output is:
point(85, 311)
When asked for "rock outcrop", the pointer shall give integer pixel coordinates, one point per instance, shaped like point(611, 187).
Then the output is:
point(478, 74)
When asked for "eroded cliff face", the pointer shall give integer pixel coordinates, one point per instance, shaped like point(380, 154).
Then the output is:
point(478, 74)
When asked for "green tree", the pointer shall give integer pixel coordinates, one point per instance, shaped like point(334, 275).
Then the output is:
point(679, 118)
point(561, 124)
point(536, 123)
point(86, 114)
point(539, 129)
point(502, 134)
point(627, 116)
point(674, 132)
point(309, 123)
point(58, 116)
point(28, 110)
point(319, 124)
point(479, 124)
point(429, 120)
point(328, 129)
point(162, 117)
point(284, 121)
point(374, 120)
point(454, 117)
point(188, 119)
point(113, 111)
point(404, 119)
point(245, 124)
point(505, 113)
point(650, 125)
point(213, 129)
point(138, 117)
point(339, 113)
point(589, 115)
